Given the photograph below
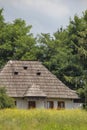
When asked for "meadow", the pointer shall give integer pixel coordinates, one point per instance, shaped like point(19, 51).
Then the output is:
point(14, 119)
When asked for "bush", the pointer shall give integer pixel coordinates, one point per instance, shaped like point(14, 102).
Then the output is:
point(5, 100)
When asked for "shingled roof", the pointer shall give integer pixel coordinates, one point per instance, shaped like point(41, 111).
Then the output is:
point(31, 78)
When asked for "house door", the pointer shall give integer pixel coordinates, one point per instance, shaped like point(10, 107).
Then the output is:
point(61, 104)
point(31, 104)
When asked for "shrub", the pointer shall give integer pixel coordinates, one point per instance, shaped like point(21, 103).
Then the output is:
point(5, 100)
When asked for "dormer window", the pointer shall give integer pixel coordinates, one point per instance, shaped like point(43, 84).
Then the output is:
point(15, 73)
point(25, 67)
point(38, 73)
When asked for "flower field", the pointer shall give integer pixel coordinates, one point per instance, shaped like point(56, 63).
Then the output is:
point(13, 119)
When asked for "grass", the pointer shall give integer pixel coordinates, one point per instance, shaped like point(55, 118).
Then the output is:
point(13, 119)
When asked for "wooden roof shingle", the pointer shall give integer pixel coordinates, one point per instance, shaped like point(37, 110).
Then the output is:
point(34, 91)
point(31, 78)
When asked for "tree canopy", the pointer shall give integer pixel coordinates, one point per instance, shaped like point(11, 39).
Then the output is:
point(64, 53)
point(16, 41)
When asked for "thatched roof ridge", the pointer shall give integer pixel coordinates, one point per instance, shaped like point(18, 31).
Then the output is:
point(19, 77)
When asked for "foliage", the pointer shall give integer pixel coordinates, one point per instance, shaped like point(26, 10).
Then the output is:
point(64, 53)
point(16, 41)
point(43, 119)
point(5, 100)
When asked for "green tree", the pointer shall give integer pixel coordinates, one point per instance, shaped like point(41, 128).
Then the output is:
point(65, 53)
point(16, 41)
point(55, 53)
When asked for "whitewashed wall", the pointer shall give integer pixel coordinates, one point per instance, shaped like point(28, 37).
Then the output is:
point(78, 105)
point(39, 104)
point(23, 103)
point(69, 104)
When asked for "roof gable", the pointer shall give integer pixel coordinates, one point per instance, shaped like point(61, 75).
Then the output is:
point(34, 91)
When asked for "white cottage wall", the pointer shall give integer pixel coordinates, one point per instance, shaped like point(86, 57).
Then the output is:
point(69, 104)
point(77, 105)
point(21, 103)
point(39, 104)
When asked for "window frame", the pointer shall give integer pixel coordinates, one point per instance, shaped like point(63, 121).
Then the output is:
point(60, 104)
point(50, 104)
point(31, 104)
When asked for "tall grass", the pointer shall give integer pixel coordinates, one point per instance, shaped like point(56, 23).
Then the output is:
point(13, 119)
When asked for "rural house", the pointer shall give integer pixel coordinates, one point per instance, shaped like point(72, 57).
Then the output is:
point(33, 86)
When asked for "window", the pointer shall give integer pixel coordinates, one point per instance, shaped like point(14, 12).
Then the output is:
point(15, 73)
point(50, 104)
point(77, 101)
point(38, 72)
point(61, 104)
point(31, 104)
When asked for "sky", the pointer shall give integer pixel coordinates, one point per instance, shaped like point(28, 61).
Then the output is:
point(45, 16)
